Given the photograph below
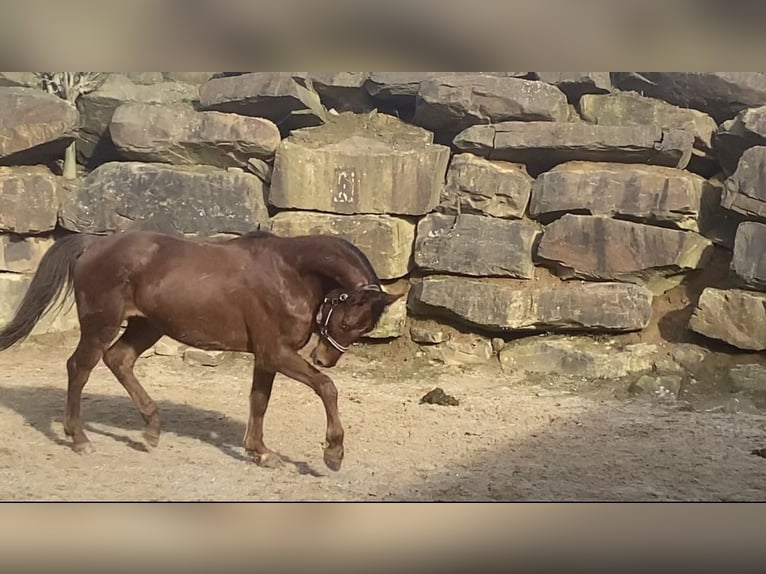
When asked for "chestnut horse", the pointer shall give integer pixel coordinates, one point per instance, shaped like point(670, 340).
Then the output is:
point(258, 293)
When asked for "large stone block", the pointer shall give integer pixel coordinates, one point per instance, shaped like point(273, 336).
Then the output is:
point(449, 103)
point(94, 144)
point(601, 248)
point(576, 84)
point(19, 254)
point(745, 190)
point(35, 127)
point(392, 321)
point(173, 199)
point(13, 286)
point(632, 109)
point(342, 91)
point(542, 145)
point(28, 199)
point(282, 97)
point(386, 241)
point(749, 259)
point(495, 188)
point(648, 193)
point(180, 135)
point(734, 316)
point(746, 130)
point(719, 94)
point(359, 164)
point(510, 307)
point(476, 245)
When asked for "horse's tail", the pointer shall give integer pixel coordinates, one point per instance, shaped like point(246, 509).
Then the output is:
point(52, 278)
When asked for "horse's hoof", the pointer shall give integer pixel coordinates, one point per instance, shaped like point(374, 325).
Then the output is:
point(269, 460)
point(333, 458)
point(84, 447)
point(152, 438)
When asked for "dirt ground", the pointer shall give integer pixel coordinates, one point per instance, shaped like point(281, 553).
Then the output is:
point(509, 438)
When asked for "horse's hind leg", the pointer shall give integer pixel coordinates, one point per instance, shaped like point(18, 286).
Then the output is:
point(139, 335)
point(89, 351)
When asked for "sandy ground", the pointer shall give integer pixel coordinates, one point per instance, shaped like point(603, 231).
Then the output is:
point(509, 439)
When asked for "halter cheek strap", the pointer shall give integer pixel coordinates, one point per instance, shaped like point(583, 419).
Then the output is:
point(324, 320)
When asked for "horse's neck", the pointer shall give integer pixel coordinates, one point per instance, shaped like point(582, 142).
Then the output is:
point(336, 264)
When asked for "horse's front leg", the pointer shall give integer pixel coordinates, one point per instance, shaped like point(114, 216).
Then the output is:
point(260, 393)
point(294, 366)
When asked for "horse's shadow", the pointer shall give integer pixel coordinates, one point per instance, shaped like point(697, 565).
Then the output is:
point(43, 408)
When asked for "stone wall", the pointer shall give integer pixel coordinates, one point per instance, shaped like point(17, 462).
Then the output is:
point(508, 204)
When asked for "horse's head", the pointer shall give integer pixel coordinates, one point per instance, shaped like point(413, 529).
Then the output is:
point(344, 317)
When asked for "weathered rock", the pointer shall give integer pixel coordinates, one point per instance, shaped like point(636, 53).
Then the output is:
point(748, 377)
point(719, 94)
point(569, 307)
point(644, 192)
point(495, 188)
point(203, 358)
point(667, 384)
point(386, 241)
point(689, 357)
point(632, 109)
point(282, 97)
point(342, 91)
point(20, 254)
point(35, 127)
point(428, 332)
point(360, 164)
point(145, 78)
point(716, 222)
point(601, 248)
point(576, 84)
point(745, 190)
point(188, 77)
point(461, 349)
point(392, 322)
point(13, 286)
point(449, 103)
point(734, 316)
point(749, 259)
point(180, 135)
point(28, 199)
point(19, 80)
point(542, 145)
point(173, 199)
point(94, 144)
point(476, 245)
point(575, 357)
point(746, 130)
point(167, 347)
point(398, 88)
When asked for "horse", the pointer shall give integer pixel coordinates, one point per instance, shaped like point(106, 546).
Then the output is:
point(257, 293)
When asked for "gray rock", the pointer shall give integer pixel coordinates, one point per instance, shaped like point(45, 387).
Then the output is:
point(689, 357)
point(632, 109)
point(392, 322)
point(576, 84)
point(511, 307)
point(461, 349)
point(284, 98)
point(387, 241)
point(745, 190)
point(748, 377)
point(19, 80)
point(734, 316)
point(428, 332)
point(94, 144)
point(19, 254)
point(542, 145)
point(657, 384)
point(476, 245)
point(715, 221)
point(188, 77)
point(167, 347)
point(719, 94)
point(342, 91)
point(495, 188)
point(360, 164)
point(13, 286)
point(645, 192)
point(749, 259)
point(28, 199)
point(179, 135)
point(601, 248)
point(575, 357)
point(746, 130)
point(35, 127)
point(202, 358)
point(173, 199)
point(449, 103)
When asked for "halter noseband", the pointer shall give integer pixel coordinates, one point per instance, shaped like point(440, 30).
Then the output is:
point(324, 320)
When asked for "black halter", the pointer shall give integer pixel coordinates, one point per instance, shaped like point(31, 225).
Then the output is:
point(323, 320)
